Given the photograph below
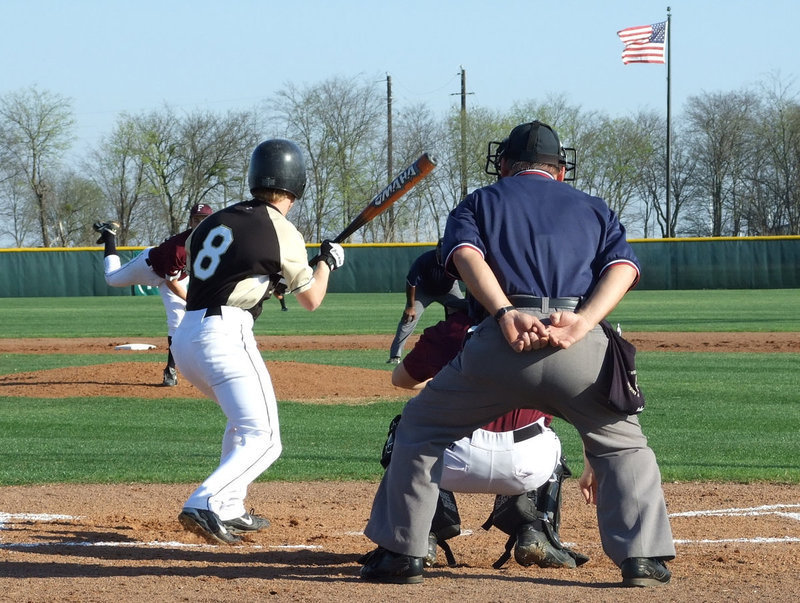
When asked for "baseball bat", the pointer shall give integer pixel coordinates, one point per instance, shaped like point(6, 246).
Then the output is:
point(403, 182)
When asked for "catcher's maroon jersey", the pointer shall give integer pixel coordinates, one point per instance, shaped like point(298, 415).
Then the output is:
point(439, 344)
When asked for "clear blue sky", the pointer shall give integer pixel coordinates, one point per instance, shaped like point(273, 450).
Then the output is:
point(110, 56)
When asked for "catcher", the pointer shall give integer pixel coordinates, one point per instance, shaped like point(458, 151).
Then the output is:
point(517, 457)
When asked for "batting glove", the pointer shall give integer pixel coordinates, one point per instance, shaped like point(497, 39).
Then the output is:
point(332, 254)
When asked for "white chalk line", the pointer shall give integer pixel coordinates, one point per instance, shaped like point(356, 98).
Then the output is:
point(787, 539)
point(743, 512)
point(734, 512)
point(5, 517)
point(153, 544)
point(45, 517)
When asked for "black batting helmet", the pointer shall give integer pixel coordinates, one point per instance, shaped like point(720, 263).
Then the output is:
point(532, 142)
point(277, 164)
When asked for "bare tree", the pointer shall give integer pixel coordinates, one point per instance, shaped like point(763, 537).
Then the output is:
point(118, 170)
point(773, 204)
point(17, 213)
point(215, 151)
point(717, 128)
point(156, 139)
point(199, 158)
point(35, 128)
point(340, 125)
point(419, 215)
point(77, 202)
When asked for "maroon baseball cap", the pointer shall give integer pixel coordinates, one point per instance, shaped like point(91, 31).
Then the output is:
point(201, 209)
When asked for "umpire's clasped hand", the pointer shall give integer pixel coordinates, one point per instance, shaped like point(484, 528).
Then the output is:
point(524, 332)
point(566, 328)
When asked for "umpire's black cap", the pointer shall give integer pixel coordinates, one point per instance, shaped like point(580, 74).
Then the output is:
point(535, 142)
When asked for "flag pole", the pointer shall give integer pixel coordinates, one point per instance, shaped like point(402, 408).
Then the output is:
point(669, 124)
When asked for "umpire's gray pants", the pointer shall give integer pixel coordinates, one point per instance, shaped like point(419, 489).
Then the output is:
point(489, 379)
point(422, 300)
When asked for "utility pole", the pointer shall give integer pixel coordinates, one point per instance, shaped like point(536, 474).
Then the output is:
point(464, 93)
point(388, 128)
point(389, 149)
point(463, 133)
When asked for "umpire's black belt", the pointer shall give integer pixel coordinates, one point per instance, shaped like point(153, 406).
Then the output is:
point(528, 432)
point(545, 304)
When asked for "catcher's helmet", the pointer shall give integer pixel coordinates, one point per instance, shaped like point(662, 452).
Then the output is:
point(533, 142)
point(277, 164)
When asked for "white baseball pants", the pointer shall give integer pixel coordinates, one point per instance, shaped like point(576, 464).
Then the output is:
point(219, 356)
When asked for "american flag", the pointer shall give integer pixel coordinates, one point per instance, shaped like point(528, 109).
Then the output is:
point(644, 44)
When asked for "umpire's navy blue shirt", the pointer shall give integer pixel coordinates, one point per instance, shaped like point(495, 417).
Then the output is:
point(539, 236)
point(429, 275)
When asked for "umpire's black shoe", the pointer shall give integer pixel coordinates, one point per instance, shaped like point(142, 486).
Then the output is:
point(643, 571)
point(534, 547)
point(382, 565)
point(208, 525)
point(246, 523)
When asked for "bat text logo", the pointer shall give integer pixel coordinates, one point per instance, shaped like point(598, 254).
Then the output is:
point(397, 184)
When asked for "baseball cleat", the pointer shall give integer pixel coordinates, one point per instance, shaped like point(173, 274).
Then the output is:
point(110, 227)
point(207, 524)
point(643, 571)
point(533, 547)
point(393, 360)
point(170, 377)
point(246, 523)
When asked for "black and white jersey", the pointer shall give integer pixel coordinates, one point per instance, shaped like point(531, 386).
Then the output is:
point(233, 253)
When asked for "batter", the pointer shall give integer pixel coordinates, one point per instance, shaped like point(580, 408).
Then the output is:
point(236, 257)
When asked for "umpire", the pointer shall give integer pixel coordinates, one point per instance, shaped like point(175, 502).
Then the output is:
point(548, 263)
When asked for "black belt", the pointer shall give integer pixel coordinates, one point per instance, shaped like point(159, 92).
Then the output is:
point(213, 311)
point(544, 303)
point(526, 433)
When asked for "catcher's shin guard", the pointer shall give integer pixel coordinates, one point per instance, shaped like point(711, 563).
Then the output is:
point(532, 521)
point(446, 524)
point(549, 506)
point(386, 453)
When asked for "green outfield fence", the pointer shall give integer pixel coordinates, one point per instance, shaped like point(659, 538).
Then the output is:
point(691, 263)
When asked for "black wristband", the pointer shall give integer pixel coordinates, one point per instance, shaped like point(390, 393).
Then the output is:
point(329, 261)
point(503, 311)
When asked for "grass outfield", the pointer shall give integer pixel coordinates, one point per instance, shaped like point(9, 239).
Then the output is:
point(376, 313)
point(709, 416)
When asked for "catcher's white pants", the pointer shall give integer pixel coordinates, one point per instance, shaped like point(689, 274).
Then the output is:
point(138, 272)
point(491, 462)
point(219, 356)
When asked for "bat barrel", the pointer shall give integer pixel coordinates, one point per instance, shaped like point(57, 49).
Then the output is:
point(402, 183)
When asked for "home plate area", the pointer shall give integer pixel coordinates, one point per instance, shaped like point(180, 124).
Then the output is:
point(733, 542)
point(772, 519)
